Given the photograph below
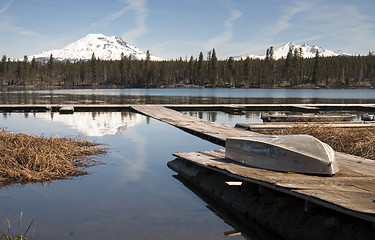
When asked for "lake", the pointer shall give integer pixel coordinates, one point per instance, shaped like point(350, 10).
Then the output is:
point(133, 195)
point(188, 96)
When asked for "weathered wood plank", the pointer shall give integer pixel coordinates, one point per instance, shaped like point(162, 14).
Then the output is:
point(345, 192)
point(351, 190)
point(197, 126)
point(220, 132)
point(283, 125)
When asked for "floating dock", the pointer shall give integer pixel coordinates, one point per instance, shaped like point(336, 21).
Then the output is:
point(283, 125)
point(306, 118)
point(351, 191)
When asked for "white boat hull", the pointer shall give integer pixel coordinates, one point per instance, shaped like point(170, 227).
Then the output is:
point(287, 153)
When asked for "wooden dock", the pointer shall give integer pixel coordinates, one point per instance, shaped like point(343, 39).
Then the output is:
point(212, 131)
point(351, 191)
point(283, 125)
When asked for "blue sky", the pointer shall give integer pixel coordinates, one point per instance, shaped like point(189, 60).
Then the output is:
point(181, 28)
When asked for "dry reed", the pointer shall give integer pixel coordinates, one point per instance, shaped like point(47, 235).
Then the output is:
point(355, 141)
point(26, 158)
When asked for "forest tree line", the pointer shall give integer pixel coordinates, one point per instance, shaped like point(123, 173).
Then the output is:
point(291, 72)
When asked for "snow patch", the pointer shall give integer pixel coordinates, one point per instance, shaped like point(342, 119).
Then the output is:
point(104, 48)
point(307, 52)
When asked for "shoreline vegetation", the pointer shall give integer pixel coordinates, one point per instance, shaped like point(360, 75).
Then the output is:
point(31, 159)
point(358, 142)
point(294, 71)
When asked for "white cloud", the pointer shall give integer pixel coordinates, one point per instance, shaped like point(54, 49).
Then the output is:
point(107, 20)
point(343, 24)
point(139, 7)
point(7, 23)
point(335, 25)
point(227, 34)
point(285, 21)
point(140, 11)
point(6, 6)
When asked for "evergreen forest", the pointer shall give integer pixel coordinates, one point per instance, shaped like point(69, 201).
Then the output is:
point(293, 71)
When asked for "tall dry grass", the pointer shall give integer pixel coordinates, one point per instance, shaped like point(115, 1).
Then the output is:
point(355, 141)
point(26, 158)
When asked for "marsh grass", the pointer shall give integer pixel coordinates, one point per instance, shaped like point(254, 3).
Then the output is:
point(355, 141)
point(7, 235)
point(26, 158)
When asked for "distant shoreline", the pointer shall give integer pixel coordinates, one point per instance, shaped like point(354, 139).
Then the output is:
point(181, 86)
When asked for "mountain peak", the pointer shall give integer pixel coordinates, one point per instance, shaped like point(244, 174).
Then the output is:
point(307, 51)
point(289, 44)
point(104, 48)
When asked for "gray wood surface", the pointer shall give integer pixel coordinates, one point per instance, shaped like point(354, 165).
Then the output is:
point(351, 190)
point(348, 192)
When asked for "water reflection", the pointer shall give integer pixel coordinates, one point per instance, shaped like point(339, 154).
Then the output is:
point(96, 123)
point(232, 204)
point(248, 229)
point(254, 116)
point(188, 96)
point(131, 196)
point(100, 124)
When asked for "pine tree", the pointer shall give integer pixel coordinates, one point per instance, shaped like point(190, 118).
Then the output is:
point(200, 68)
point(93, 65)
point(122, 69)
point(231, 75)
point(314, 79)
point(50, 62)
point(288, 65)
point(271, 54)
point(148, 56)
point(213, 67)
point(82, 75)
point(3, 70)
point(190, 70)
point(247, 72)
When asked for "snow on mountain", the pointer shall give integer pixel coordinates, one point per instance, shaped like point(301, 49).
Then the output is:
point(251, 56)
point(104, 48)
point(307, 52)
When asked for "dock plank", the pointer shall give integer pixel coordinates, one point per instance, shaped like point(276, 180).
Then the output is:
point(345, 192)
point(350, 191)
point(191, 124)
point(220, 132)
point(284, 125)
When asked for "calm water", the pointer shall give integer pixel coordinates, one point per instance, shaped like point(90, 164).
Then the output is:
point(134, 194)
point(188, 96)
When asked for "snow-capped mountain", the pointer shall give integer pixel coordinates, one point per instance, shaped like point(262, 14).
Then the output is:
point(104, 48)
point(307, 52)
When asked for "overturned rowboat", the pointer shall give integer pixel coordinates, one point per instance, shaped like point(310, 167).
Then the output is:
point(286, 153)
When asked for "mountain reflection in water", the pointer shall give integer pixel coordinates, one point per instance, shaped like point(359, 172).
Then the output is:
point(96, 124)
